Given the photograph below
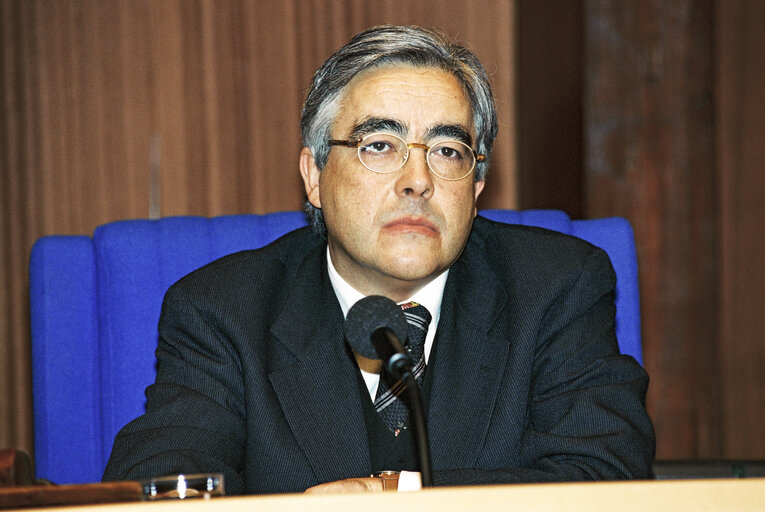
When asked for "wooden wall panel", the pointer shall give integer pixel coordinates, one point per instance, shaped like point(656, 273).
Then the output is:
point(675, 116)
point(15, 225)
point(741, 160)
point(650, 157)
point(549, 106)
point(113, 109)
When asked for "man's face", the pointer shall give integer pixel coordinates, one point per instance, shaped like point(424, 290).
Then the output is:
point(390, 234)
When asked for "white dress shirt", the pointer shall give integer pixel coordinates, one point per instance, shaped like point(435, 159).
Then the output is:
point(429, 296)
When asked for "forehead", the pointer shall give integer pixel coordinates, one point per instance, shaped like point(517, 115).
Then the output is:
point(416, 97)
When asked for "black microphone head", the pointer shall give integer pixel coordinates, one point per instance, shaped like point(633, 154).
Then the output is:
point(367, 316)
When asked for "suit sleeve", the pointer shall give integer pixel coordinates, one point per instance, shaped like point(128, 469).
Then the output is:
point(586, 417)
point(194, 414)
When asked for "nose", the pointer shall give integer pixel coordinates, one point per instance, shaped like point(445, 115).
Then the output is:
point(414, 178)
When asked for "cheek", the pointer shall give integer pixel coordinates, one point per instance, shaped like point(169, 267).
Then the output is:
point(348, 198)
point(459, 211)
point(460, 203)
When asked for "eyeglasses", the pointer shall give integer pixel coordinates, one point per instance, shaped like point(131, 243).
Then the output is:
point(385, 153)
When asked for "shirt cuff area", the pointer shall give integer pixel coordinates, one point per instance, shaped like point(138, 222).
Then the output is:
point(409, 481)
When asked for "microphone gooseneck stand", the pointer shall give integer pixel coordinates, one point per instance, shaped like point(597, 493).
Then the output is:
point(420, 429)
point(373, 328)
point(400, 366)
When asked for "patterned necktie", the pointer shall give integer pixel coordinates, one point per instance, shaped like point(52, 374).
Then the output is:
point(392, 410)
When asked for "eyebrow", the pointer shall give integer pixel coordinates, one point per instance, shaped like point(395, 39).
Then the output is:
point(377, 124)
point(450, 131)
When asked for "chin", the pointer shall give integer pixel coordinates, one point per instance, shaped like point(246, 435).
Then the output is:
point(411, 269)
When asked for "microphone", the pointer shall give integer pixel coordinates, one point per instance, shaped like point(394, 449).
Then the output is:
point(374, 328)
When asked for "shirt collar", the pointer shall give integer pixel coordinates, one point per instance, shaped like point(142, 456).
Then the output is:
point(429, 295)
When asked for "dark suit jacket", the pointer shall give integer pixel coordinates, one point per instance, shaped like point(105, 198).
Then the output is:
point(256, 381)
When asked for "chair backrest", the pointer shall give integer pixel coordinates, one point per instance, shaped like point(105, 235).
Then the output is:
point(95, 304)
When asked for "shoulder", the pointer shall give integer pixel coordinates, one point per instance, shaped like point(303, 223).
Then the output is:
point(266, 269)
point(506, 243)
point(533, 261)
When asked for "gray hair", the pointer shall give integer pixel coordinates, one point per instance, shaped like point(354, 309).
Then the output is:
point(385, 46)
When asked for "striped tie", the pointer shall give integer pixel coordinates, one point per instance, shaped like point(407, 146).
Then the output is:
point(388, 404)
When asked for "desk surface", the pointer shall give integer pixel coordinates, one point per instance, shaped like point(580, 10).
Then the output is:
point(740, 495)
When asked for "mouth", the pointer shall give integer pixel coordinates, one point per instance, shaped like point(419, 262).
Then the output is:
point(412, 225)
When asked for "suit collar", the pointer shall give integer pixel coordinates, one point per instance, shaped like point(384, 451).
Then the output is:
point(319, 391)
point(471, 347)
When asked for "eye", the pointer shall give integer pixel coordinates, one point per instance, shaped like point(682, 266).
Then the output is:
point(378, 146)
point(381, 145)
point(449, 151)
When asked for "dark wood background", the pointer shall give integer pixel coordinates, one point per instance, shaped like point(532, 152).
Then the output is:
point(652, 110)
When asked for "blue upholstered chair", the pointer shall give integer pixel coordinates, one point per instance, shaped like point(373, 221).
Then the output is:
point(95, 304)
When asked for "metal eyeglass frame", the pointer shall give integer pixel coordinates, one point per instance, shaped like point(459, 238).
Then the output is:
point(358, 143)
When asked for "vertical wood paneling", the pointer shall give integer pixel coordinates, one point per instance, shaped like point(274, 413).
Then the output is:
point(549, 107)
point(499, 57)
point(170, 123)
point(9, 156)
point(15, 381)
point(270, 70)
point(134, 39)
point(741, 160)
point(214, 136)
point(650, 158)
point(91, 89)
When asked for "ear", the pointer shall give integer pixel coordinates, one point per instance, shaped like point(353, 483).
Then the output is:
point(310, 174)
point(478, 188)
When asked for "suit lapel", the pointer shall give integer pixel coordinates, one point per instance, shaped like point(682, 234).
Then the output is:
point(471, 349)
point(319, 392)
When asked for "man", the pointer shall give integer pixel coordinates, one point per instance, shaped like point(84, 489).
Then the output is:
point(523, 380)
